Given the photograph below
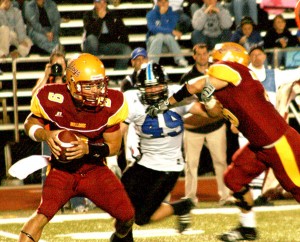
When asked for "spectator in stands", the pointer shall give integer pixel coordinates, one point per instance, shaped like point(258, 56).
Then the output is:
point(246, 34)
point(199, 129)
point(106, 34)
point(43, 23)
point(211, 24)
point(54, 70)
point(244, 8)
point(12, 31)
point(280, 37)
point(139, 56)
point(184, 23)
point(161, 23)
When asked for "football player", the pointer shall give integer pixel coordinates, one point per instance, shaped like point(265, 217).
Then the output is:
point(84, 105)
point(273, 143)
point(149, 181)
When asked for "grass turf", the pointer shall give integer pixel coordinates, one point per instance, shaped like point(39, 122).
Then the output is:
point(273, 226)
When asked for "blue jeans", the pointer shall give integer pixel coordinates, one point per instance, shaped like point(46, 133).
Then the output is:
point(199, 37)
point(156, 44)
point(239, 10)
point(91, 45)
point(41, 40)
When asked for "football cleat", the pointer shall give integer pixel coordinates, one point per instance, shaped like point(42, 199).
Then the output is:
point(184, 222)
point(239, 233)
point(127, 238)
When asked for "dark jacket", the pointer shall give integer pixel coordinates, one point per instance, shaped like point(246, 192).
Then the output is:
point(117, 31)
point(271, 39)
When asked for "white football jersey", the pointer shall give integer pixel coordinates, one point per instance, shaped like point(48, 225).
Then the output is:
point(160, 137)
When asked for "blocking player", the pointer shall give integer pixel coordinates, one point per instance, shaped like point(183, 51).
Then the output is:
point(153, 176)
point(85, 106)
point(273, 143)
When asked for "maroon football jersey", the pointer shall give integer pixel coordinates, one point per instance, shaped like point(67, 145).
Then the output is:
point(245, 105)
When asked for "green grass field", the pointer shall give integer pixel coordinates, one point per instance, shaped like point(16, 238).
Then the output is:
point(273, 226)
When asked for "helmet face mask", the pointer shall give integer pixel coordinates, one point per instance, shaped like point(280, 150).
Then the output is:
point(87, 82)
point(152, 84)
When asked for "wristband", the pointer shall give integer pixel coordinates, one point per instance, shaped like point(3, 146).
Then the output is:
point(181, 94)
point(210, 104)
point(98, 150)
point(32, 130)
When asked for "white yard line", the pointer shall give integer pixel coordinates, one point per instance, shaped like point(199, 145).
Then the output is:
point(136, 234)
point(90, 216)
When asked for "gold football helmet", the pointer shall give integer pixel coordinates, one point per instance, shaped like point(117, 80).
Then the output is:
point(85, 73)
point(230, 51)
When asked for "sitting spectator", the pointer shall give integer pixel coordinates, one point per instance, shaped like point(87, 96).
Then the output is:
point(161, 23)
point(105, 34)
point(280, 37)
point(43, 23)
point(211, 24)
point(246, 34)
point(184, 23)
point(12, 31)
point(138, 58)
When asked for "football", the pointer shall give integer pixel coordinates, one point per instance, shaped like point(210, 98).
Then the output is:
point(65, 137)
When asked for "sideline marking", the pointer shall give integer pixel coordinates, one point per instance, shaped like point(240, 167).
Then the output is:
point(136, 234)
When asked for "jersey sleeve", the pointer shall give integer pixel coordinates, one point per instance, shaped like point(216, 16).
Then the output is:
point(120, 115)
point(36, 107)
point(225, 73)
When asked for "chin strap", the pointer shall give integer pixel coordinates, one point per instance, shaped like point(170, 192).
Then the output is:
point(28, 235)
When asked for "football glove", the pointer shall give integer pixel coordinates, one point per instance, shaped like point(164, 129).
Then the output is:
point(160, 107)
point(207, 92)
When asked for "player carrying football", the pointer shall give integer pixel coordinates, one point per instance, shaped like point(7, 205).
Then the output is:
point(85, 106)
point(273, 143)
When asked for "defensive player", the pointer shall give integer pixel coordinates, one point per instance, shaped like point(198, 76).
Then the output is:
point(273, 143)
point(85, 106)
point(152, 178)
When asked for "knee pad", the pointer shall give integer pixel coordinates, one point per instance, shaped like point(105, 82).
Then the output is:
point(123, 227)
point(241, 200)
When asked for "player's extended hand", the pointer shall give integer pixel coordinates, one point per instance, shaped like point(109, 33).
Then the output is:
point(160, 107)
point(207, 92)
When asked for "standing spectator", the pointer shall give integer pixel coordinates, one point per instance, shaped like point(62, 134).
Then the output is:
point(279, 37)
point(200, 129)
point(85, 106)
point(161, 23)
point(244, 8)
point(246, 34)
point(184, 22)
point(139, 57)
point(106, 34)
point(211, 24)
point(12, 31)
point(43, 23)
point(161, 160)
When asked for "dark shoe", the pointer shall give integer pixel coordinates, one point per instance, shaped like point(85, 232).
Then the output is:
point(183, 206)
point(239, 233)
point(184, 222)
point(127, 238)
point(262, 201)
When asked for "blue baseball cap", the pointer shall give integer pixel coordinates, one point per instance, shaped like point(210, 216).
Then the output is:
point(138, 52)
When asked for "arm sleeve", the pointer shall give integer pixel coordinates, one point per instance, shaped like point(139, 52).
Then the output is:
point(199, 19)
